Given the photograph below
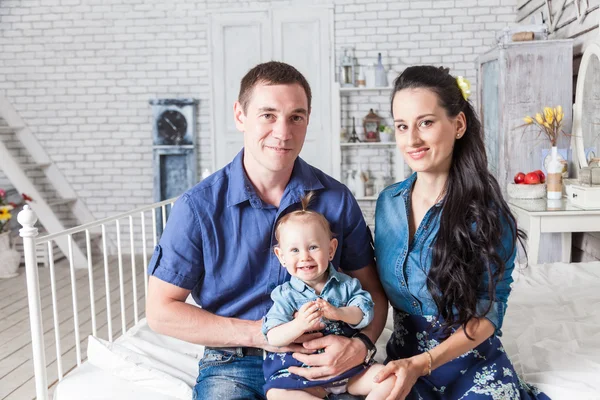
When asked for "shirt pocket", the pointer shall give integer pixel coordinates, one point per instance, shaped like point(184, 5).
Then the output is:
point(300, 301)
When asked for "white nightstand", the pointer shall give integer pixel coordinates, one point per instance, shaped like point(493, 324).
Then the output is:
point(537, 217)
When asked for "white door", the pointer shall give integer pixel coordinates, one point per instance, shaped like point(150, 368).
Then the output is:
point(239, 41)
point(301, 37)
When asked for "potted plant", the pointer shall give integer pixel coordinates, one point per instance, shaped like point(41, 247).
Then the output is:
point(386, 134)
point(9, 257)
point(549, 123)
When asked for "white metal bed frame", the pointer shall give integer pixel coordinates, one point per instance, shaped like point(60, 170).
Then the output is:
point(27, 218)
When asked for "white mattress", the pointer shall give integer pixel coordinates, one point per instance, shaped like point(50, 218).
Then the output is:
point(552, 328)
point(551, 333)
point(92, 383)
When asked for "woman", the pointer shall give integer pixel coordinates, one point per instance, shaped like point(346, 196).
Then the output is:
point(445, 243)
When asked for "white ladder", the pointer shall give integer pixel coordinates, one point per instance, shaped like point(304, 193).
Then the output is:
point(30, 156)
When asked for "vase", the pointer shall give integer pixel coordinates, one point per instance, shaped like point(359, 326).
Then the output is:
point(386, 137)
point(9, 258)
point(554, 178)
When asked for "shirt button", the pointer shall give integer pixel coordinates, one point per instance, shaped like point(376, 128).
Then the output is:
point(402, 283)
point(414, 303)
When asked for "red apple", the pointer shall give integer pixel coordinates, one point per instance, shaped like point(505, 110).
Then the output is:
point(541, 175)
point(532, 178)
point(520, 178)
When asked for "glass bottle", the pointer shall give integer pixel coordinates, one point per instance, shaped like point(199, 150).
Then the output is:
point(380, 73)
point(362, 80)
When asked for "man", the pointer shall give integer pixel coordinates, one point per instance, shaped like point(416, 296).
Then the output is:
point(219, 240)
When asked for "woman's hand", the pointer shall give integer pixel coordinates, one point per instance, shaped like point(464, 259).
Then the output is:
point(407, 371)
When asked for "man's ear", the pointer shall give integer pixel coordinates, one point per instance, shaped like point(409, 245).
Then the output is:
point(279, 254)
point(333, 244)
point(239, 116)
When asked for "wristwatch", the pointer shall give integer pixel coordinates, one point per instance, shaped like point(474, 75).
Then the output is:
point(371, 349)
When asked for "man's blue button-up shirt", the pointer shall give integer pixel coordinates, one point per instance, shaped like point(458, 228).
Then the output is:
point(219, 238)
point(403, 266)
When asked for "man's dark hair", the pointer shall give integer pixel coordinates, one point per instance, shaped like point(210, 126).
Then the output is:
point(271, 73)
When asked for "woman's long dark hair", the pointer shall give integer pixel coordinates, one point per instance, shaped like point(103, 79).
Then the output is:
point(473, 211)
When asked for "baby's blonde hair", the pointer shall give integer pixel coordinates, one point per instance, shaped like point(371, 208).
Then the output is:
point(304, 213)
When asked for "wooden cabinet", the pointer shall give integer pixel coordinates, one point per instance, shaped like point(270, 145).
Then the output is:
point(519, 79)
point(515, 80)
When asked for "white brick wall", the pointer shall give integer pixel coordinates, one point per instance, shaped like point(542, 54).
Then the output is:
point(80, 72)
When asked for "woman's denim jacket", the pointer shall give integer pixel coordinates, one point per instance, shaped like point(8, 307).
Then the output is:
point(403, 268)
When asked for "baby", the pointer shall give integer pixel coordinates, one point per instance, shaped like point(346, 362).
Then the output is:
point(325, 300)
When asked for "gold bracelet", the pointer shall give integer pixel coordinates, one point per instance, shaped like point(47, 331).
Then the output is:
point(430, 362)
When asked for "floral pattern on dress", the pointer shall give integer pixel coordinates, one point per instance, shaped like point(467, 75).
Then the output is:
point(487, 384)
point(399, 330)
point(424, 342)
point(483, 372)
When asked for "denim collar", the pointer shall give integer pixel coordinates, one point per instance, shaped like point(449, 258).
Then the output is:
point(404, 189)
point(303, 179)
point(300, 286)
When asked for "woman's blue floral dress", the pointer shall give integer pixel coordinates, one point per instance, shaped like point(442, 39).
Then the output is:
point(403, 265)
point(482, 373)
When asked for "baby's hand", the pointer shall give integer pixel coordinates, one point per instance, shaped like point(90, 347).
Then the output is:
point(329, 311)
point(309, 317)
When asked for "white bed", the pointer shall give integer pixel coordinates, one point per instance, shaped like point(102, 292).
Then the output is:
point(551, 333)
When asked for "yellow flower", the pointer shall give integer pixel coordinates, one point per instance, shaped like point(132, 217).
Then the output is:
point(5, 215)
point(549, 122)
point(539, 119)
point(548, 115)
point(464, 85)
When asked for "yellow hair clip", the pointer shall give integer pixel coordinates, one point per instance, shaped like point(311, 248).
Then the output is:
point(465, 86)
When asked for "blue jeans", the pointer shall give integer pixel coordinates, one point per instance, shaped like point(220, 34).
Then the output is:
point(228, 375)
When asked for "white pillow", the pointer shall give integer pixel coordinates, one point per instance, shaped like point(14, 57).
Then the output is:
point(156, 362)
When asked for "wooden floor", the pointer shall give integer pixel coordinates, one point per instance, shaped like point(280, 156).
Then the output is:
point(16, 365)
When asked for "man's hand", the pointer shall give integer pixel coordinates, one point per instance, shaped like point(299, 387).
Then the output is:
point(340, 354)
point(296, 347)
